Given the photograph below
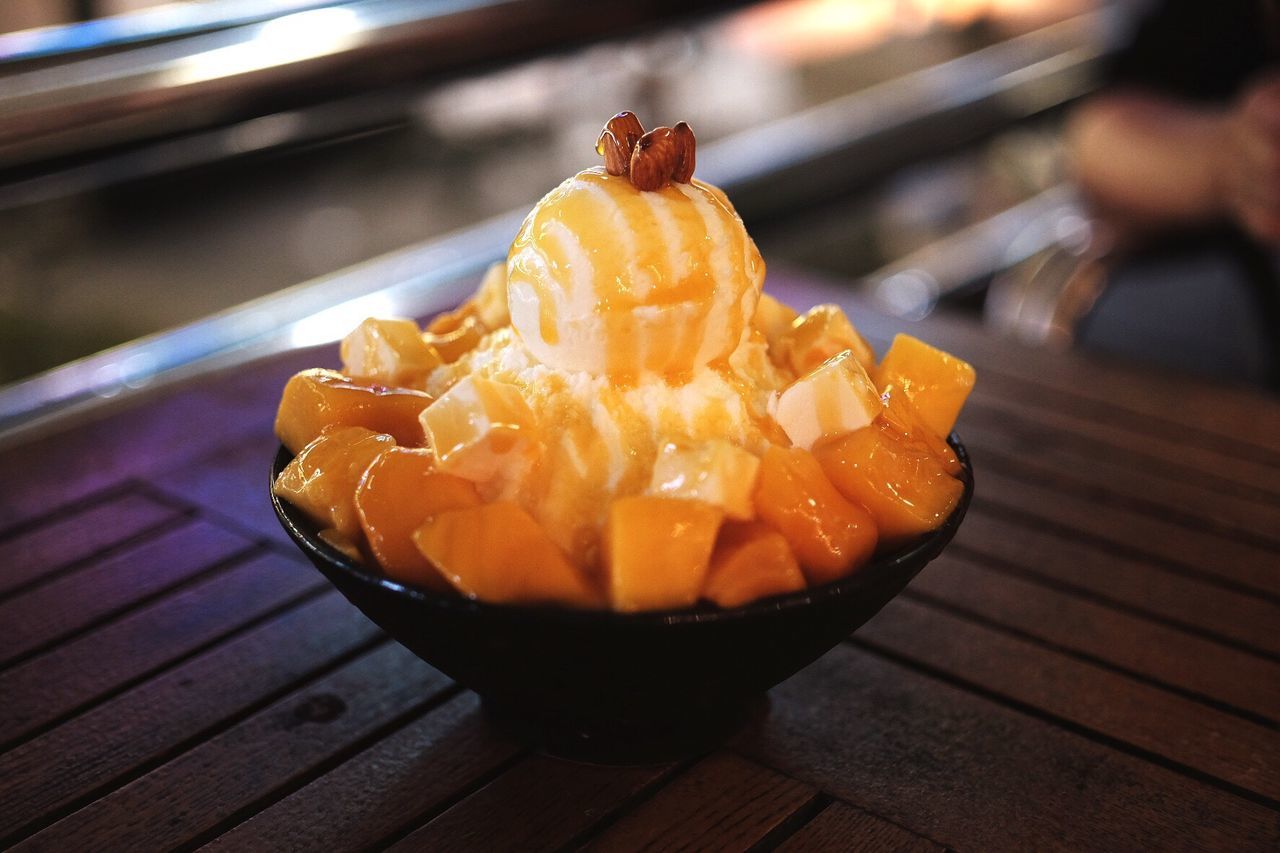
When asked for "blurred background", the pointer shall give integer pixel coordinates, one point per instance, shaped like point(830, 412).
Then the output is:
point(160, 164)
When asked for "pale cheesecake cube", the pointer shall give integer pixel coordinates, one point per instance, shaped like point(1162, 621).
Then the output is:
point(717, 473)
point(820, 333)
point(480, 430)
point(836, 398)
point(389, 352)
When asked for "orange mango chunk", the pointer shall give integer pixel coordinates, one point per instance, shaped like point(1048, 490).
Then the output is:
point(817, 335)
point(397, 494)
point(903, 485)
point(480, 430)
point(751, 560)
point(836, 397)
point(773, 319)
point(901, 417)
point(455, 334)
point(830, 535)
point(937, 383)
point(389, 352)
point(321, 480)
point(490, 300)
point(316, 400)
point(498, 553)
point(716, 473)
point(657, 551)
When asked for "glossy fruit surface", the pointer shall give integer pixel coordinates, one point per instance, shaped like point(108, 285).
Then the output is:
point(657, 551)
point(322, 479)
point(315, 400)
point(498, 553)
point(936, 382)
point(903, 485)
point(397, 494)
point(829, 535)
point(751, 560)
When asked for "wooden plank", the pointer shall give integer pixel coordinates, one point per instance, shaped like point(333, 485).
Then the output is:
point(841, 826)
point(1144, 399)
point(384, 790)
point(724, 802)
point(230, 480)
point(77, 535)
point(248, 763)
point(1142, 586)
point(56, 683)
point(1238, 752)
point(975, 774)
point(539, 804)
point(1032, 452)
point(1192, 664)
point(1203, 466)
point(142, 435)
point(103, 588)
point(96, 751)
point(1243, 566)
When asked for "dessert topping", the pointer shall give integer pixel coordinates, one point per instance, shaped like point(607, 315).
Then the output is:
point(651, 160)
point(618, 140)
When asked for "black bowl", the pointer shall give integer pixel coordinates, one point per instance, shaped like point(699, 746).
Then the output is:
point(621, 687)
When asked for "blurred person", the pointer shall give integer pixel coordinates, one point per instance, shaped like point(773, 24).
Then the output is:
point(1179, 157)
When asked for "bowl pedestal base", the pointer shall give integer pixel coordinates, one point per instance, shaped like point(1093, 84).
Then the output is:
point(616, 741)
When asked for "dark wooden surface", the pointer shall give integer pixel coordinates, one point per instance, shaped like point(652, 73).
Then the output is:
point(1093, 664)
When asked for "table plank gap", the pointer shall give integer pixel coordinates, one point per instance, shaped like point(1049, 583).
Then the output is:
point(1081, 479)
point(1211, 471)
point(724, 802)
point(389, 789)
point(1241, 569)
point(262, 758)
point(66, 769)
point(99, 593)
point(540, 803)
point(1167, 731)
point(961, 767)
point(842, 826)
point(68, 542)
point(1232, 684)
point(48, 689)
point(1243, 622)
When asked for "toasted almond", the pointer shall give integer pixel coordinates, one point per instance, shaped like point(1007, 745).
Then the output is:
point(686, 145)
point(654, 159)
point(617, 140)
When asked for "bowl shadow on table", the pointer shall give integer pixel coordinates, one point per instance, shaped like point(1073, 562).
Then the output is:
point(622, 688)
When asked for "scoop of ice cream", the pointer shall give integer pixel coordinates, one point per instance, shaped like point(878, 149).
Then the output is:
point(616, 281)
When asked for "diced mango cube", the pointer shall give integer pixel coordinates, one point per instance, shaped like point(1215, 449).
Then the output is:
point(396, 496)
point(480, 430)
point(657, 551)
point(817, 335)
point(773, 319)
point(390, 352)
point(316, 400)
point(829, 535)
point(498, 553)
point(716, 473)
point(836, 398)
point(751, 560)
point(454, 335)
point(937, 383)
point(901, 418)
point(904, 486)
point(321, 480)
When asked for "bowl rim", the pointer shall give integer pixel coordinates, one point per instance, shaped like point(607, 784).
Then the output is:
point(912, 557)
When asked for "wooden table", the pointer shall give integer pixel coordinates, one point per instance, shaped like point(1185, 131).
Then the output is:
point(1093, 664)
